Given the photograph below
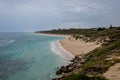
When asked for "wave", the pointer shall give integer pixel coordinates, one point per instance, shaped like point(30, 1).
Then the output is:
point(4, 42)
point(11, 41)
point(57, 48)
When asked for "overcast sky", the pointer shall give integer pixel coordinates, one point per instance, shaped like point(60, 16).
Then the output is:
point(34, 15)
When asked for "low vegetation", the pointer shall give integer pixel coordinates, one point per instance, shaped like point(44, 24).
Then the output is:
point(82, 76)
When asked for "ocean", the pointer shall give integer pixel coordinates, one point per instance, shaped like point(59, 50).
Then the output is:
point(27, 56)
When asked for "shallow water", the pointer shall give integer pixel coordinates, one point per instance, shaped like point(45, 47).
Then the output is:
point(26, 56)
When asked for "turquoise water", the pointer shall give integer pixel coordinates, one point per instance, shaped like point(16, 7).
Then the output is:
point(26, 56)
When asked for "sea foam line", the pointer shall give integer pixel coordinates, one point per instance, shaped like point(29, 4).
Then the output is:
point(3, 42)
point(57, 48)
point(11, 41)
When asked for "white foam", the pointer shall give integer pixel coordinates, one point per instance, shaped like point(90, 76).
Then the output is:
point(11, 41)
point(3, 42)
point(57, 48)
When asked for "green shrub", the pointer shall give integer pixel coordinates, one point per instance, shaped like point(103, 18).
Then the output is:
point(77, 77)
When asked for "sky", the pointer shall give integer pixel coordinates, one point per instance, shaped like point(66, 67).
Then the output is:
point(35, 15)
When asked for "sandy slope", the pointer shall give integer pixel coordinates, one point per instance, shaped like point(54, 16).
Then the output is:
point(78, 47)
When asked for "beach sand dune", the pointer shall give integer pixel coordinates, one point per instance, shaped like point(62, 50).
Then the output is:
point(78, 47)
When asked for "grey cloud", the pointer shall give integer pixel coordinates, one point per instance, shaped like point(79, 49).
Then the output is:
point(48, 14)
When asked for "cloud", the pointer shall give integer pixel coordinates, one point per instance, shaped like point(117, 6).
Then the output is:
point(30, 15)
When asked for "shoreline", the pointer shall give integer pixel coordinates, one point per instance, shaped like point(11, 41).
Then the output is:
point(71, 46)
point(96, 53)
point(58, 49)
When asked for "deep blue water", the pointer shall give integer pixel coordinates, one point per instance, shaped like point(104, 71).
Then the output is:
point(26, 56)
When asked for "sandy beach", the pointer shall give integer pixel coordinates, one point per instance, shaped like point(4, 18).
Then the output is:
point(78, 47)
point(75, 47)
point(58, 35)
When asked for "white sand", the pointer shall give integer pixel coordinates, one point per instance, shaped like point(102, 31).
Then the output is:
point(78, 47)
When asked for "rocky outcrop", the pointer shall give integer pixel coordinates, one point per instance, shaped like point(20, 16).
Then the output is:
point(75, 63)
